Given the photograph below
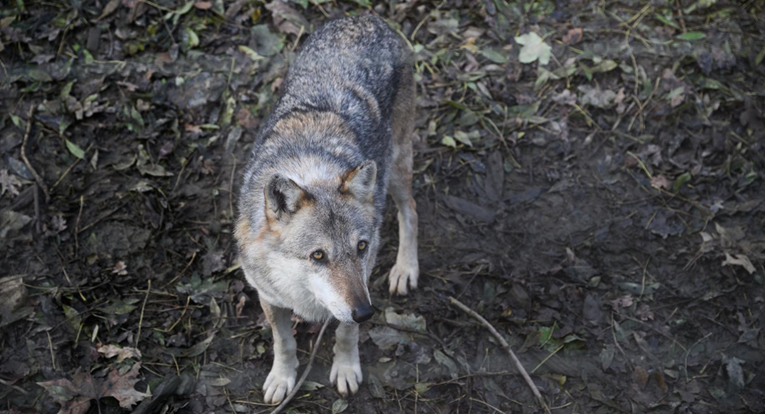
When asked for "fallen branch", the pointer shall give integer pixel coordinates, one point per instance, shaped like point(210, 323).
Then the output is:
point(305, 371)
point(38, 179)
point(507, 348)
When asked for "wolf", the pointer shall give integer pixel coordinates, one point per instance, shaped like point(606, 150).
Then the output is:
point(313, 192)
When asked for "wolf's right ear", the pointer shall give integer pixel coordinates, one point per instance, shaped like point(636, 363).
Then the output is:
point(283, 197)
point(360, 181)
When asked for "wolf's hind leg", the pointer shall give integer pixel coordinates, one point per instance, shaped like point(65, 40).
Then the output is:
point(346, 368)
point(281, 379)
point(406, 271)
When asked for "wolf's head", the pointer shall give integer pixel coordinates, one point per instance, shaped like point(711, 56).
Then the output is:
point(320, 240)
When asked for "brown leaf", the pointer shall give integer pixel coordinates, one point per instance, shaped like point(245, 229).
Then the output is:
point(287, 19)
point(111, 351)
point(573, 36)
point(658, 376)
point(240, 305)
point(194, 129)
point(9, 182)
point(739, 260)
point(12, 294)
point(120, 269)
point(565, 98)
point(660, 181)
point(622, 302)
point(122, 388)
point(640, 376)
point(75, 395)
point(110, 7)
point(244, 118)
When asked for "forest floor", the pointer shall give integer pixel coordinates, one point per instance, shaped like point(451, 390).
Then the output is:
point(589, 178)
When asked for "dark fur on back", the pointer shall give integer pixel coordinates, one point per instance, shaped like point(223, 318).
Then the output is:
point(345, 81)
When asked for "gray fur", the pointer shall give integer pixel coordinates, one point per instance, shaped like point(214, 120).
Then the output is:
point(317, 180)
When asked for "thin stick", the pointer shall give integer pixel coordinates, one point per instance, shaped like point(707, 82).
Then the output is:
point(8, 384)
point(507, 348)
point(53, 354)
point(140, 321)
point(38, 223)
point(77, 226)
point(38, 179)
point(231, 186)
point(70, 168)
point(305, 372)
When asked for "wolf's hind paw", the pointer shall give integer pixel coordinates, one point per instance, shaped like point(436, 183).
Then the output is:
point(402, 277)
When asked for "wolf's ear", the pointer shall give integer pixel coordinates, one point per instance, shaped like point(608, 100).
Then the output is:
point(283, 197)
point(360, 181)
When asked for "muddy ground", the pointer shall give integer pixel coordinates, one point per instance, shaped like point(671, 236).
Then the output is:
point(589, 179)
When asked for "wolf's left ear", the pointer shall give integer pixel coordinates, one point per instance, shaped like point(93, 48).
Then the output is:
point(283, 197)
point(360, 181)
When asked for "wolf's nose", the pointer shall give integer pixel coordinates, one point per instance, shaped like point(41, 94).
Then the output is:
point(362, 313)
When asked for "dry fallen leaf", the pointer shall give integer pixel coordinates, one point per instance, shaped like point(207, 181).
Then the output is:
point(9, 182)
point(622, 302)
point(739, 260)
point(566, 97)
point(109, 9)
point(660, 181)
point(111, 351)
point(12, 294)
point(640, 376)
point(120, 269)
point(573, 36)
point(240, 305)
point(75, 395)
point(287, 19)
point(534, 48)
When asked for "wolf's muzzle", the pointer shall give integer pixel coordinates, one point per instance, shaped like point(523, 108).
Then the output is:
point(362, 313)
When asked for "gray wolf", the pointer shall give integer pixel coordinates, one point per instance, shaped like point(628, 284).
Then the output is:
point(312, 197)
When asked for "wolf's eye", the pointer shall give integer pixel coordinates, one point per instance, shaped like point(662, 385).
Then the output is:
point(318, 255)
point(362, 246)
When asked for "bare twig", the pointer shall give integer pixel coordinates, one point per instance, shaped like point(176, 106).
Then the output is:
point(69, 169)
point(98, 220)
point(305, 371)
point(38, 179)
point(507, 348)
point(140, 321)
point(77, 226)
point(8, 384)
point(38, 222)
point(53, 354)
point(231, 187)
point(193, 256)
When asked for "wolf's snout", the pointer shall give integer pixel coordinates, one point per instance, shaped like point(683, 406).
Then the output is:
point(362, 313)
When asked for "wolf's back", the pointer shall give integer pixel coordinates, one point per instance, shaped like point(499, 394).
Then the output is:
point(339, 65)
point(343, 86)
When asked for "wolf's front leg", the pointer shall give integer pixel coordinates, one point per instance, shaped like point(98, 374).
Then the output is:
point(346, 368)
point(281, 379)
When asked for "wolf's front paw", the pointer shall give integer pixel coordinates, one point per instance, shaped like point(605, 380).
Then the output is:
point(404, 275)
point(279, 382)
point(346, 372)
